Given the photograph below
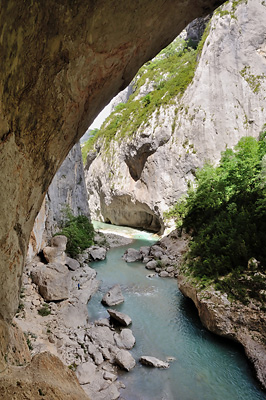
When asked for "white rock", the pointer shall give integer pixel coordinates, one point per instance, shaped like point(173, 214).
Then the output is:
point(113, 297)
point(97, 253)
point(153, 362)
point(85, 372)
point(132, 255)
point(121, 318)
point(125, 340)
point(125, 360)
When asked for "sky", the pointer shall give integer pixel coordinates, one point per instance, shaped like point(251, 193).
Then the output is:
point(101, 117)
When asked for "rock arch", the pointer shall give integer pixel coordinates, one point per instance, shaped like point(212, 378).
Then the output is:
point(61, 62)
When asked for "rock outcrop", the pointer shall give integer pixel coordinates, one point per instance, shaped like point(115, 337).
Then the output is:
point(45, 376)
point(245, 324)
point(67, 190)
point(135, 178)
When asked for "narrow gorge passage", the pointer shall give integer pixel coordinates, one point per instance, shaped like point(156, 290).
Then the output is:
point(166, 324)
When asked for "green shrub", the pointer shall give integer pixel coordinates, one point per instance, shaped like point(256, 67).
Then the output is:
point(79, 232)
point(225, 210)
point(44, 310)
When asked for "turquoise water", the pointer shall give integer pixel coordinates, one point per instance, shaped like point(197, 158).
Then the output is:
point(166, 324)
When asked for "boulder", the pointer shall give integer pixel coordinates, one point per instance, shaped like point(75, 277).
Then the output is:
point(145, 250)
point(125, 360)
point(151, 264)
point(164, 274)
point(121, 318)
point(132, 255)
point(95, 354)
point(56, 252)
point(165, 260)
point(85, 372)
point(101, 336)
point(170, 269)
point(53, 281)
point(97, 253)
point(72, 264)
point(113, 297)
point(156, 251)
point(153, 362)
point(52, 255)
point(59, 241)
point(125, 340)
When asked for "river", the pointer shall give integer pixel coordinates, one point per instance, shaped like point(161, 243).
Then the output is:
point(165, 324)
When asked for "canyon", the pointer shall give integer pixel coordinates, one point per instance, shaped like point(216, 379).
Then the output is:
point(60, 65)
point(136, 175)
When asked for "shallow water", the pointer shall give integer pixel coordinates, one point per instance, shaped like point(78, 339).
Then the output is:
point(166, 324)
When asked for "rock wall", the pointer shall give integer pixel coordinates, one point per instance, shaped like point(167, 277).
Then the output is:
point(242, 323)
point(60, 65)
point(151, 168)
point(67, 189)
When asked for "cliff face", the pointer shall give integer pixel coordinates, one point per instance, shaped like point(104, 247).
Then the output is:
point(67, 189)
point(135, 179)
point(245, 324)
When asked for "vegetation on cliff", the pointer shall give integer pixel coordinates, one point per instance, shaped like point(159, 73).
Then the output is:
point(225, 212)
point(166, 76)
point(79, 232)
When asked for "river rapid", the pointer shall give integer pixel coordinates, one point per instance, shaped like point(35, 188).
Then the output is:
point(165, 324)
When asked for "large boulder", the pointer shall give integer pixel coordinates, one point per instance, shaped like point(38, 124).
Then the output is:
point(85, 372)
point(132, 255)
point(113, 297)
point(151, 264)
point(72, 263)
point(97, 253)
point(56, 252)
point(122, 319)
point(125, 360)
point(125, 340)
point(53, 281)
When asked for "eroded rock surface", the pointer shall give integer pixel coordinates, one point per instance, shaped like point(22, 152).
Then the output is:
point(245, 324)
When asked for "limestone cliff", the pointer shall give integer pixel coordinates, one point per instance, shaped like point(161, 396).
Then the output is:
point(67, 189)
point(245, 324)
point(137, 172)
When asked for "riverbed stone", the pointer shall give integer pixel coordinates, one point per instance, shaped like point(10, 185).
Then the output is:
point(151, 265)
point(164, 274)
point(113, 297)
point(125, 340)
point(97, 253)
point(132, 255)
point(153, 362)
point(122, 319)
point(125, 360)
point(144, 250)
point(170, 269)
